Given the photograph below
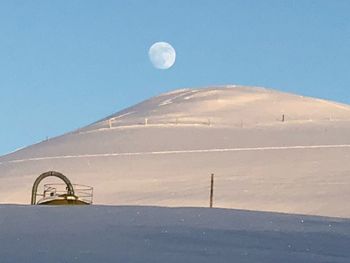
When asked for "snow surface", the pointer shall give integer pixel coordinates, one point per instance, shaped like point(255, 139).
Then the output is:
point(153, 234)
point(163, 150)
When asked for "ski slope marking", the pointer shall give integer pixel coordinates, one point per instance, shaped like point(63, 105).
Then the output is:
point(268, 148)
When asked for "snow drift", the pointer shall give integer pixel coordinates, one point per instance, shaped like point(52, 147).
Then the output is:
point(153, 234)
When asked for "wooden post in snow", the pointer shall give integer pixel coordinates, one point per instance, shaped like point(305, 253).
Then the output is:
point(211, 190)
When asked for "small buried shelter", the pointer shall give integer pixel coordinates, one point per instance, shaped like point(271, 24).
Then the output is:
point(61, 194)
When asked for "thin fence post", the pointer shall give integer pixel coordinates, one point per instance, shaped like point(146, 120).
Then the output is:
point(211, 190)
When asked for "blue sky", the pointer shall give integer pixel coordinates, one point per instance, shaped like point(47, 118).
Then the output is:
point(65, 64)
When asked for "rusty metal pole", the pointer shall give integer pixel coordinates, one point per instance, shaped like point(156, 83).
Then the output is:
point(211, 190)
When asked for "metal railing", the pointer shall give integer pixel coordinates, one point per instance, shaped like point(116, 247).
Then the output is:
point(83, 192)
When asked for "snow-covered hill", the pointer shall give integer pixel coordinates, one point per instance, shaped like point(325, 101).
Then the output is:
point(152, 234)
point(269, 151)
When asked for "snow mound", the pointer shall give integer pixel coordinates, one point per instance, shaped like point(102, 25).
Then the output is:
point(269, 151)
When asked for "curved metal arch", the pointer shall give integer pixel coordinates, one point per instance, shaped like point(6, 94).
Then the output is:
point(70, 189)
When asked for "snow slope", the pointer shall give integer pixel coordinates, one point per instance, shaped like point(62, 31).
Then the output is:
point(154, 234)
point(163, 150)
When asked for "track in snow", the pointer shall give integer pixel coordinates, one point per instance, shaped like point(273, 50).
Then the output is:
point(268, 148)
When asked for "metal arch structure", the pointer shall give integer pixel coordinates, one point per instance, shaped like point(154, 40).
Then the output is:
point(70, 189)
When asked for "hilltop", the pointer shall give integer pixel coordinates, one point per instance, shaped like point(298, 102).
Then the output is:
point(269, 150)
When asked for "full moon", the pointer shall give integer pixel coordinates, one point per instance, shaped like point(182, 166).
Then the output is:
point(162, 55)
